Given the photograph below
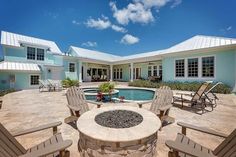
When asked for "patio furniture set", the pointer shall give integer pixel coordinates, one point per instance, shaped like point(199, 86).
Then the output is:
point(98, 137)
point(50, 85)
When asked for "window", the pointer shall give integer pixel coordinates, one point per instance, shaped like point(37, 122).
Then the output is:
point(34, 80)
point(208, 65)
point(40, 54)
point(149, 71)
point(121, 74)
point(154, 70)
point(114, 74)
point(117, 73)
point(179, 68)
point(71, 67)
point(160, 70)
point(193, 67)
point(31, 53)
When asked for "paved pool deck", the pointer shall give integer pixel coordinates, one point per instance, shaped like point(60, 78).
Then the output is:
point(30, 108)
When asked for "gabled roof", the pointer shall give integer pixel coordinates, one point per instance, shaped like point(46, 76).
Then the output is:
point(12, 39)
point(197, 42)
point(18, 66)
point(96, 55)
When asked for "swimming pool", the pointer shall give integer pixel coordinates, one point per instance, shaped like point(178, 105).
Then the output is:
point(128, 93)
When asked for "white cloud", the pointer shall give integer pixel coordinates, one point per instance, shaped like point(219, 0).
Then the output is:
point(103, 23)
point(89, 44)
point(135, 12)
point(118, 29)
point(76, 22)
point(129, 39)
point(153, 3)
point(229, 28)
point(176, 3)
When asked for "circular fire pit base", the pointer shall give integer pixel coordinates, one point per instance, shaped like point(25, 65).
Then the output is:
point(145, 147)
point(118, 131)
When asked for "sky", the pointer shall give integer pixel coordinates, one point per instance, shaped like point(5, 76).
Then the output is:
point(120, 27)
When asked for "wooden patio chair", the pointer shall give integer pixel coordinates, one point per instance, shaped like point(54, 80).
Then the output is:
point(185, 147)
point(161, 104)
point(77, 103)
point(53, 147)
point(211, 96)
point(193, 98)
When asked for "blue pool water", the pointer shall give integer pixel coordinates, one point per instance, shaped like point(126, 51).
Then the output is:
point(129, 94)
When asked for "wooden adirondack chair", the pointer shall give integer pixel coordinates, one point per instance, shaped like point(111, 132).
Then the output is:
point(193, 98)
point(161, 104)
point(77, 103)
point(185, 147)
point(55, 146)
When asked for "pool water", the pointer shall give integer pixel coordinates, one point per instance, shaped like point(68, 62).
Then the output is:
point(129, 94)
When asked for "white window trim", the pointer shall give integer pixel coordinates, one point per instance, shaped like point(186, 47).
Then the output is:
point(35, 54)
point(199, 68)
point(152, 69)
point(69, 67)
point(119, 71)
point(30, 80)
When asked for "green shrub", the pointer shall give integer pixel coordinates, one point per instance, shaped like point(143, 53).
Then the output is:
point(69, 83)
point(106, 87)
point(4, 92)
point(187, 86)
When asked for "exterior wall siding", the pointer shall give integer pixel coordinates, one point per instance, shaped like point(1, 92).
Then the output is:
point(224, 67)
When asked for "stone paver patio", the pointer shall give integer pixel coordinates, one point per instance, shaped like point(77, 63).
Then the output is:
point(29, 108)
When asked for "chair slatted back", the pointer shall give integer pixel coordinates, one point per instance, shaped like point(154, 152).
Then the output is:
point(163, 96)
point(76, 98)
point(9, 146)
point(201, 90)
point(228, 147)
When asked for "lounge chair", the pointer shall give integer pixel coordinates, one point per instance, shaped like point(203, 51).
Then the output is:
point(54, 146)
point(211, 96)
point(77, 103)
point(44, 84)
point(161, 104)
point(55, 84)
point(193, 98)
point(185, 147)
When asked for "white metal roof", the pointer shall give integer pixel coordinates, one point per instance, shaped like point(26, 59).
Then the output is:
point(200, 42)
point(197, 42)
point(18, 66)
point(12, 39)
point(85, 53)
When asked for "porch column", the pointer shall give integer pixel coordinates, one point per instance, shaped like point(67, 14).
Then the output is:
point(131, 72)
point(80, 71)
point(111, 72)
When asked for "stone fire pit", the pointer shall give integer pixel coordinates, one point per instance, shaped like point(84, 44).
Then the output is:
point(118, 131)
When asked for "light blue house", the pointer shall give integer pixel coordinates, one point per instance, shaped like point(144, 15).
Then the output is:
point(200, 58)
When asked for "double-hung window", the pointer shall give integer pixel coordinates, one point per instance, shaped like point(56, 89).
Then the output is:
point(40, 54)
point(71, 67)
point(208, 64)
point(160, 70)
point(193, 67)
point(34, 80)
point(31, 53)
point(155, 70)
point(179, 68)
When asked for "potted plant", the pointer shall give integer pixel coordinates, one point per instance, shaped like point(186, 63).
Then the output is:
point(107, 88)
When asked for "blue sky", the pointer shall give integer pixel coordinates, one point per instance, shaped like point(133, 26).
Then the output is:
point(119, 27)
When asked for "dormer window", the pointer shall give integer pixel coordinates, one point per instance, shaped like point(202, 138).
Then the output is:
point(35, 54)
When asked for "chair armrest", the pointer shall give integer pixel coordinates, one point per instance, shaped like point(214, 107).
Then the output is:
point(166, 107)
point(201, 129)
point(176, 147)
point(140, 104)
point(186, 94)
point(49, 149)
point(96, 103)
point(39, 128)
